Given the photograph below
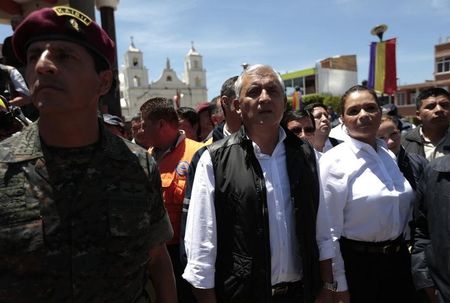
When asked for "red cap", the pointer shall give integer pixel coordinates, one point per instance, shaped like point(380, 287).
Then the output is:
point(62, 23)
point(202, 107)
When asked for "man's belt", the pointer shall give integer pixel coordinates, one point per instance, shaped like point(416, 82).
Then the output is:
point(285, 288)
point(385, 247)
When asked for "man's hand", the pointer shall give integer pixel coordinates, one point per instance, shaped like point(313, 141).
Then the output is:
point(205, 295)
point(431, 293)
point(324, 296)
point(161, 274)
point(342, 297)
point(20, 100)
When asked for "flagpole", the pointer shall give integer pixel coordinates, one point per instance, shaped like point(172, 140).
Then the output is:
point(378, 31)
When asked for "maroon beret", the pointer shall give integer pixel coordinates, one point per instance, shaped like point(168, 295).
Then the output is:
point(62, 23)
point(202, 107)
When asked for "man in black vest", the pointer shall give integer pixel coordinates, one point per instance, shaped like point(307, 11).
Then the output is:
point(256, 231)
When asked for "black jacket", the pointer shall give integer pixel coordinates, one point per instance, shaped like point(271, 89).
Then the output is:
point(243, 268)
point(411, 166)
point(431, 251)
point(413, 142)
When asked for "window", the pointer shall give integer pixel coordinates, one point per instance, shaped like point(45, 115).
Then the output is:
point(443, 65)
point(195, 64)
point(136, 81)
point(169, 79)
point(412, 97)
point(198, 82)
point(135, 62)
point(401, 98)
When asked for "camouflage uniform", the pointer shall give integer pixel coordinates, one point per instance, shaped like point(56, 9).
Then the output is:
point(76, 225)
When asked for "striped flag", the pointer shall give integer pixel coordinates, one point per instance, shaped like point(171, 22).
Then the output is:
point(382, 70)
point(297, 99)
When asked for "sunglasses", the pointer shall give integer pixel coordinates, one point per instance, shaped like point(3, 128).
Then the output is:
point(299, 130)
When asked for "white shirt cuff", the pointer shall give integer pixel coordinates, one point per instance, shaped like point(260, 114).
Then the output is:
point(341, 283)
point(199, 276)
point(326, 250)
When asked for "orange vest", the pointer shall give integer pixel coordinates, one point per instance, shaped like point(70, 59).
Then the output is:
point(173, 168)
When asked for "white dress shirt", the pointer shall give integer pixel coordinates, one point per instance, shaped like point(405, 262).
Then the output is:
point(326, 147)
point(19, 83)
point(200, 238)
point(366, 194)
point(339, 131)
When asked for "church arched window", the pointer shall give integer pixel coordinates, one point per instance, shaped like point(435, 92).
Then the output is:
point(136, 81)
point(168, 78)
point(198, 82)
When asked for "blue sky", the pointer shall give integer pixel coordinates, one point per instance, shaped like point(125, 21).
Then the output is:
point(287, 34)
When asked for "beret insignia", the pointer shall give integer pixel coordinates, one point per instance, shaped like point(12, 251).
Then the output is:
point(68, 11)
point(74, 24)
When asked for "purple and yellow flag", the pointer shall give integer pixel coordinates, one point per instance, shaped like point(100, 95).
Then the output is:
point(383, 70)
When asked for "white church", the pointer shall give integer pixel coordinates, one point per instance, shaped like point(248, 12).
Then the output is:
point(135, 88)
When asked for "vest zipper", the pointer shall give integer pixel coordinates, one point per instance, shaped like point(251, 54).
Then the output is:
point(265, 218)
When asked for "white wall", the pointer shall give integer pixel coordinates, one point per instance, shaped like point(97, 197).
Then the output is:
point(334, 81)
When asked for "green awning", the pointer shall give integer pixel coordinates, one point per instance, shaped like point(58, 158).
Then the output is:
point(299, 73)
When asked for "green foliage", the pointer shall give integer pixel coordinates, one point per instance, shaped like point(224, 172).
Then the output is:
point(333, 101)
point(313, 98)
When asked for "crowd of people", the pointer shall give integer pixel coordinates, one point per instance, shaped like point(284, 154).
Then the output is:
point(237, 200)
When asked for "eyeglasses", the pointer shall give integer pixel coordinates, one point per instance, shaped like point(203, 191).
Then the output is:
point(299, 130)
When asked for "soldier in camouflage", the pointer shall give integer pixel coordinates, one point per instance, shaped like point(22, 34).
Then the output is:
point(81, 211)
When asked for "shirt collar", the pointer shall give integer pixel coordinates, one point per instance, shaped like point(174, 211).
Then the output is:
point(428, 141)
point(226, 131)
point(278, 147)
point(357, 145)
point(159, 154)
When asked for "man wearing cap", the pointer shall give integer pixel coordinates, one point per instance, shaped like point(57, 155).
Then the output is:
point(206, 125)
point(81, 212)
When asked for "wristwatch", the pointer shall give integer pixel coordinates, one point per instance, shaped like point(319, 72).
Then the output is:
point(330, 286)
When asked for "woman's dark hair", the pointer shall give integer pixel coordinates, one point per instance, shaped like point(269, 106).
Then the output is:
point(356, 88)
point(189, 114)
point(394, 120)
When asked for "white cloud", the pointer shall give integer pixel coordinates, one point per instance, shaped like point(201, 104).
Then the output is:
point(440, 5)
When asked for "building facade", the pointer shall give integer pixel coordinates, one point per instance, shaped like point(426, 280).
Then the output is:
point(405, 97)
point(331, 76)
point(135, 87)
